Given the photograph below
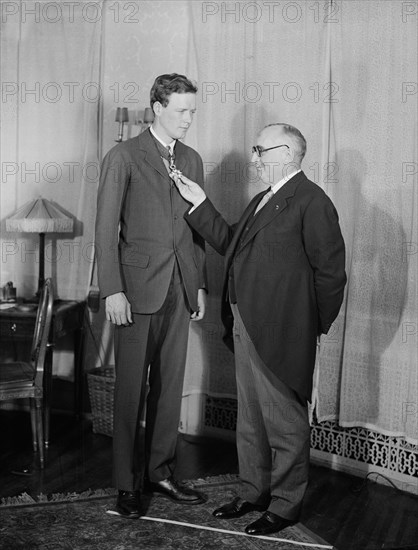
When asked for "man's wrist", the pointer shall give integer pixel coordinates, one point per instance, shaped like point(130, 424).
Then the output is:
point(193, 208)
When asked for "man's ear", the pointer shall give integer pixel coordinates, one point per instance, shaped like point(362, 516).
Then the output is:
point(290, 154)
point(157, 108)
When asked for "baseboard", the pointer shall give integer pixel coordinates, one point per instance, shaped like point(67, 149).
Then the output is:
point(356, 451)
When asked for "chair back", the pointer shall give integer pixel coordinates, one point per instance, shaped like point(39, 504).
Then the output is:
point(42, 325)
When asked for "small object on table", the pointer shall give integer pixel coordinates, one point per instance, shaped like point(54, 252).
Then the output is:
point(9, 292)
point(26, 307)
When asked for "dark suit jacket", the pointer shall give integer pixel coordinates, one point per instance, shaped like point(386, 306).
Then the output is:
point(289, 272)
point(137, 196)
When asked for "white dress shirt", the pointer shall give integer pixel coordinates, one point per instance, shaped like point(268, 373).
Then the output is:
point(171, 144)
point(280, 183)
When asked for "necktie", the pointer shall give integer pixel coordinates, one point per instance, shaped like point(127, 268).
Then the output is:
point(171, 159)
point(165, 154)
point(264, 201)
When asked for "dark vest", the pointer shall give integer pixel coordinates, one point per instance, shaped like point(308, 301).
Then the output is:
point(232, 296)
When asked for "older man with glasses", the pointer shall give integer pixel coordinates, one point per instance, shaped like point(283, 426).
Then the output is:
point(284, 285)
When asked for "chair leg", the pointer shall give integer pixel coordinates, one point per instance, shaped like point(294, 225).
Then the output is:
point(47, 421)
point(47, 393)
point(40, 431)
point(33, 424)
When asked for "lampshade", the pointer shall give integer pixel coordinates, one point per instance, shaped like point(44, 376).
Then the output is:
point(148, 114)
point(122, 114)
point(39, 216)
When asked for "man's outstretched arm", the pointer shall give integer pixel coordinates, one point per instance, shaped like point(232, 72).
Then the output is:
point(203, 217)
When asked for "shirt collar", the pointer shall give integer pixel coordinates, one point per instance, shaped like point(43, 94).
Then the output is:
point(280, 183)
point(171, 145)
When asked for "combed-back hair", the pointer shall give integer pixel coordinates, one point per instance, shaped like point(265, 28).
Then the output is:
point(297, 137)
point(167, 84)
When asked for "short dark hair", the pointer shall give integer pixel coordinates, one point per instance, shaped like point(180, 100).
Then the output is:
point(167, 84)
point(297, 138)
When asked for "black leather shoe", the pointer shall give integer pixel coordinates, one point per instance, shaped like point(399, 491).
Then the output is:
point(174, 490)
point(268, 523)
point(127, 504)
point(236, 508)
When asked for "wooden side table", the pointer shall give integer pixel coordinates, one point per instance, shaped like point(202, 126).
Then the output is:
point(17, 326)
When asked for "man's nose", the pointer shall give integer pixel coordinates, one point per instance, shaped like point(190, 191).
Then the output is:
point(255, 159)
point(187, 117)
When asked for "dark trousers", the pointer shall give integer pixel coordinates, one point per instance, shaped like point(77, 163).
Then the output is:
point(272, 432)
point(154, 346)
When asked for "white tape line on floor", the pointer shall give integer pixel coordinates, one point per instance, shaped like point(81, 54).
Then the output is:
point(239, 533)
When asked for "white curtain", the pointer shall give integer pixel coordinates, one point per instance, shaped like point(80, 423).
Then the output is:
point(51, 94)
point(50, 97)
point(368, 363)
point(344, 73)
point(250, 73)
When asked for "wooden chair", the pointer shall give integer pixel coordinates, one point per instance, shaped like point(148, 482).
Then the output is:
point(20, 380)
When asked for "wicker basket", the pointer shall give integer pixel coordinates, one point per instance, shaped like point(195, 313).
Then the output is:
point(101, 384)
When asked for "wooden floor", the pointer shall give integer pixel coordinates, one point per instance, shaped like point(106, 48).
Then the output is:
point(346, 511)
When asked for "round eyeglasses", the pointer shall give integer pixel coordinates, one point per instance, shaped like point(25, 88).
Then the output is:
point(258, 150)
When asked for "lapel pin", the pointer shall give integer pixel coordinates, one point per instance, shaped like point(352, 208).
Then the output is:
point(277, 206)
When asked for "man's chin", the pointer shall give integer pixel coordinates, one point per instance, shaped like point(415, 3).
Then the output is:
point(181, 134)
point(266, 180)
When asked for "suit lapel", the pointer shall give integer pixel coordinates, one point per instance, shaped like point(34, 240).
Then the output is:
point(248, 212)
point(273, 208)
point(181, 157)
point(152, 155)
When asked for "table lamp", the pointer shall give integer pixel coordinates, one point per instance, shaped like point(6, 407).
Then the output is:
point(40, 216)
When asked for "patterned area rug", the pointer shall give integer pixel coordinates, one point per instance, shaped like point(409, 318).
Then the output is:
point(80, 521)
